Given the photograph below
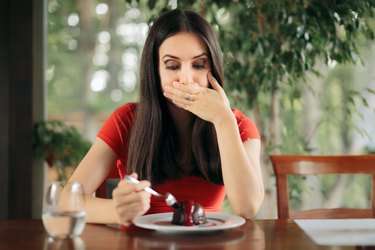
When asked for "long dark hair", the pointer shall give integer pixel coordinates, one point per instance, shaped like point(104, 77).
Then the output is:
point(154, 145)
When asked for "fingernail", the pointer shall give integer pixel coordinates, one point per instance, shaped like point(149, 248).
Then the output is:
point(175, 84)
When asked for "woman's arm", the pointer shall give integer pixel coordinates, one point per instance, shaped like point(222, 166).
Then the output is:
point(240, 163)
point(91, 172)
point(129, 200)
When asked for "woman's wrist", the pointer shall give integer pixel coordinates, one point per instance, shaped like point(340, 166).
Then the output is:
point(227, 118)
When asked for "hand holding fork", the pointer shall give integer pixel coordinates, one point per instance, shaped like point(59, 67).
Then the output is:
point(168, 197)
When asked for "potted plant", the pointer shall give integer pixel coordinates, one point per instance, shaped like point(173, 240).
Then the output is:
point(60, 145)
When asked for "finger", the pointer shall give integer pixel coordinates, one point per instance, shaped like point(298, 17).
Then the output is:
point(191, 88)
point(127, 187)
point(134, 175)
point(127, 212)
point(142, 198)
point(177, 96)
point(132, 204)
point(174, 91)
point(215, 85)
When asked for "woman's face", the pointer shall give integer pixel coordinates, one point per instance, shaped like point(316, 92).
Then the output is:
point(183, 58)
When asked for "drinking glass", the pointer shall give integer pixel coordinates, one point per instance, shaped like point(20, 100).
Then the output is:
point(70, 243)
point(63, 210)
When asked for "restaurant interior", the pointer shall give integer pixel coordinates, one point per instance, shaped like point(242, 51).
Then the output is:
point(23, 31)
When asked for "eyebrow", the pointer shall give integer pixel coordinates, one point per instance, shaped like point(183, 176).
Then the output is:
point(175, 57)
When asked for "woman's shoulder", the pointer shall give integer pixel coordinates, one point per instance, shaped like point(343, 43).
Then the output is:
point(122, 116)
point(240, 115)
point(126, 108)
point(116, 128)
point(125, 112)
point(246, 126)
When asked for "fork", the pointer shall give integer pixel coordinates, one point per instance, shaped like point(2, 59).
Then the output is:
point(168, 197)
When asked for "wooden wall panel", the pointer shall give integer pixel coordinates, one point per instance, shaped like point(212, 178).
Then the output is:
point(16, 62)
point(4, 109)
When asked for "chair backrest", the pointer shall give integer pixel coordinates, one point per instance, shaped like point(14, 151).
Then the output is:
point(105, 189)
point(285, 165)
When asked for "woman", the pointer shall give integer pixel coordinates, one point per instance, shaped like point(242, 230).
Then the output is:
point(182, 136)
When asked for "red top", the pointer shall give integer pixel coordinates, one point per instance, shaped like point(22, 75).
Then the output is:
point(115, 132)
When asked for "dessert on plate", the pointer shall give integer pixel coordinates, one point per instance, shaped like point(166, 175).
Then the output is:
point(189, 213)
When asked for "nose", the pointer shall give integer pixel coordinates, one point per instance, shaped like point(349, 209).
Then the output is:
point(187, 75)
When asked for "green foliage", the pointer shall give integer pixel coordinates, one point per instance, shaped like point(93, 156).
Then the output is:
point(71, 50)
point(58, 144)
point(356, 194)
point(268, 47)
point(63, 78)
point(296, 188)
point(270, 43)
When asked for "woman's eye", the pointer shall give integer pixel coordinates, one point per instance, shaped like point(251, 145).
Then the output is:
point(172, 66)
point(199, 65)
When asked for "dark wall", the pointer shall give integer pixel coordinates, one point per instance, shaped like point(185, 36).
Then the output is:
point(4, 109)
point(16, 103)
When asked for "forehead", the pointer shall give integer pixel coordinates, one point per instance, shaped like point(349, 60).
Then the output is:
point(184, 45)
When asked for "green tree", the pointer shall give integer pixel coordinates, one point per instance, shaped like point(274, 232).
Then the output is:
point(84, 45)
point(269, 47)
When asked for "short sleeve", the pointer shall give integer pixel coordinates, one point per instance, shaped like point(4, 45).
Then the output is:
point(246, 127)
point(116, 129)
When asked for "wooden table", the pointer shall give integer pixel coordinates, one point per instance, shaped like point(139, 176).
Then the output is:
point(259, 234)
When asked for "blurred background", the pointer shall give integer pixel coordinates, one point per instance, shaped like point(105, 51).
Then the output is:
point(304, 72)
point(308, 94)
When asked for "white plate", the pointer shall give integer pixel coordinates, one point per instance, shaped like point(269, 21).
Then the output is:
point(215, 221)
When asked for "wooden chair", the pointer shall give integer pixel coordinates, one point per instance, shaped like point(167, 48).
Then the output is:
point(105, 190)
point(285, 165)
